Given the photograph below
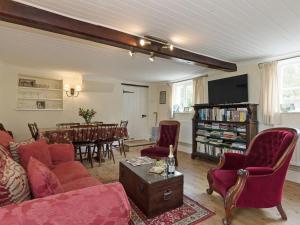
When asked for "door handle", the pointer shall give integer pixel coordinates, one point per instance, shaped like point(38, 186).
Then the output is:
point(143, 115)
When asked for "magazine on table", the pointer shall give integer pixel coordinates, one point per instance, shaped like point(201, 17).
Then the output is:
point(142, 160)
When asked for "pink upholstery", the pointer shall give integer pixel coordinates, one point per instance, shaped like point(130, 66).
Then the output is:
point(266, 163)
point(38, 150)
point(70, 171)
point(42, 181)
point(169, 132)
point(101, 204)
point(61, 153)
point(80, 183)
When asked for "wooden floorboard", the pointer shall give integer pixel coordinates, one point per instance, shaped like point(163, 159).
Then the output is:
point(195, 185)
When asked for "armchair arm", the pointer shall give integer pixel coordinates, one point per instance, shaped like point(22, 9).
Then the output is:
point(259, 170)
point(101, 204)
point(231, 161)
point(61, 153)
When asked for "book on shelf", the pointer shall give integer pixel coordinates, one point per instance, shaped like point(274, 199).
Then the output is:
point(220, 114)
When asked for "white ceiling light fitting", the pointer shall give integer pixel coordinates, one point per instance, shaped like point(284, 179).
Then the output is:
point(165, 44)
point(144, 42)
point(131, 52)
point(151, 58)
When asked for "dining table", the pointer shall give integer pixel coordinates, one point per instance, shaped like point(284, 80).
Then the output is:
point(65, 135)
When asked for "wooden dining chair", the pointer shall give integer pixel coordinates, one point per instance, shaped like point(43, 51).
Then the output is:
point(3, 129)
point(66, 125)
point(84, 136)
point(106, 137)
point(34, 130)
point(120, 137)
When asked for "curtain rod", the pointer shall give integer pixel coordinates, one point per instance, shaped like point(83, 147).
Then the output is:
point(292, 57)
point(174, 82)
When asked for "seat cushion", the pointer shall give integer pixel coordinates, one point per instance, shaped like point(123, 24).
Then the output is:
point(38, 150)
point(223, 180)
point(155, 151)
point(80, 183)
point(69, 171)
point(43, 181)
point(14, 187)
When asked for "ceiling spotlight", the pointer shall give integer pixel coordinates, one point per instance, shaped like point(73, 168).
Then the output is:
point(151, 58)
point(131, 53)
point(171, 47)
point(144, 42)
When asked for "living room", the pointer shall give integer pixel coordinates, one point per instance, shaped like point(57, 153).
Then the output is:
point(208, 89)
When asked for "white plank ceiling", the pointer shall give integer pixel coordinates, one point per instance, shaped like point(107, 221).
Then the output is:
point(233, 30)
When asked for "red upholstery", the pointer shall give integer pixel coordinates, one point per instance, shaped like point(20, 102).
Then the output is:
point(101, 204)
point(268, 148)
point(168, 135)
point(266, 163)
point(80, 183)
point(5, 138)
point(42, 181)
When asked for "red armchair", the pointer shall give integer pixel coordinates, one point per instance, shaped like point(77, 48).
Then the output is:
point(168, 135)
point(255, 180)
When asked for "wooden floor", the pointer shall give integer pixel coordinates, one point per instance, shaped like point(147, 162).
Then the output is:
point(195, 185)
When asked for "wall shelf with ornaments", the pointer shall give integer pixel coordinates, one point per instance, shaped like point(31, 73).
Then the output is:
point(39, 94)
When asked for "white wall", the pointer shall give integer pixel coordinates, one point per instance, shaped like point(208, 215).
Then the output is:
point(108, 104)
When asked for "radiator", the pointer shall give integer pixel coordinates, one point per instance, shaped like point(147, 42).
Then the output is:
point(186, 132)
point(296, 156)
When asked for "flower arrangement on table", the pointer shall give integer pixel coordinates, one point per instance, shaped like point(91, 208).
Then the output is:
point(87, 114)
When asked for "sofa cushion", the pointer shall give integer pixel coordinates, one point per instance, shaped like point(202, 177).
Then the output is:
point(69, 171)
point(61, 153)
point(14, 148)
point(43, 181)
point(38, 150)
point(14, 187)
point(5, 138)
point(80, 183)
point(223, 180)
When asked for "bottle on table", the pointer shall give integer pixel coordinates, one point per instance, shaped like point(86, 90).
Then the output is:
point(171, 161)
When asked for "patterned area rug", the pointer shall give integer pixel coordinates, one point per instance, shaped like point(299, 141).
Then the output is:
point(190, 213)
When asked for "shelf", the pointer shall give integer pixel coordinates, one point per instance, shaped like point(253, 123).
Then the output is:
point(225, 139)
point(222, 146)
point(42, 89)
point(42, 99)
point(24, 109)
point(212, 129)
point(217, 121)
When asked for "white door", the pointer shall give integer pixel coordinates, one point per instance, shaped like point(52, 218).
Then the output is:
point(135, 110)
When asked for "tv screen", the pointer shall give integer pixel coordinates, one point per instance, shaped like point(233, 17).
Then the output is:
point(228, 90)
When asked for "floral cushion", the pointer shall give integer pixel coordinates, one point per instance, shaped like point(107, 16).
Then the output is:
point(14, 186)
point(43, 181)
point(14, 148)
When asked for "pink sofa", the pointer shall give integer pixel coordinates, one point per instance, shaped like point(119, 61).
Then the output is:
point(85, 200)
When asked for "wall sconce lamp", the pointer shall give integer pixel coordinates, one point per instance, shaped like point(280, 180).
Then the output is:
point(72, 92)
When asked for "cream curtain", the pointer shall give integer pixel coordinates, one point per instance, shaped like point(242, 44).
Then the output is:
point(270, 93)
point(200, 90)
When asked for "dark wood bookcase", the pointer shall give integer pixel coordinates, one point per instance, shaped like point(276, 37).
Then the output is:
point(221, 128)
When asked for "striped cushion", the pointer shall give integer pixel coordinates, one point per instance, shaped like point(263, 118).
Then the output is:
point(14, 186)
point(14, 148)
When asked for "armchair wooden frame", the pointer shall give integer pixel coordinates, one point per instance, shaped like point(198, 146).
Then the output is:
point(235, 191)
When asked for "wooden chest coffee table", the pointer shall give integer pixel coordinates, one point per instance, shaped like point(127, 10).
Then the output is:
point(152, 193)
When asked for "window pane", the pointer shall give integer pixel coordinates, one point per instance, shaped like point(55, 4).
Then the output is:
point(182, 95)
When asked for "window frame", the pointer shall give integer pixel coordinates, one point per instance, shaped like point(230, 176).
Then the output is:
point(186, 83)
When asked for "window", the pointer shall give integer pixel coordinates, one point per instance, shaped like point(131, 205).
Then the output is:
point(182, 96)
point(289, 83)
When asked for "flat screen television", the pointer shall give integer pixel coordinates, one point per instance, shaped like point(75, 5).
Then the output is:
point(228, 90)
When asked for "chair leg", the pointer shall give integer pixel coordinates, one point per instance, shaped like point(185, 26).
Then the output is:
point(282, 212)
point(90, 155)
point(228, 219)
point(123, 148)
point(209, 190)
point(111, 152)
point(80, 154)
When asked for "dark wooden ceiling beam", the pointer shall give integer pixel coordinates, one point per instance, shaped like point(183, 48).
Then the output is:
point(18, 13)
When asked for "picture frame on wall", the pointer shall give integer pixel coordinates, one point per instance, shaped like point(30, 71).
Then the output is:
point(41, 104)
point(162, 97)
